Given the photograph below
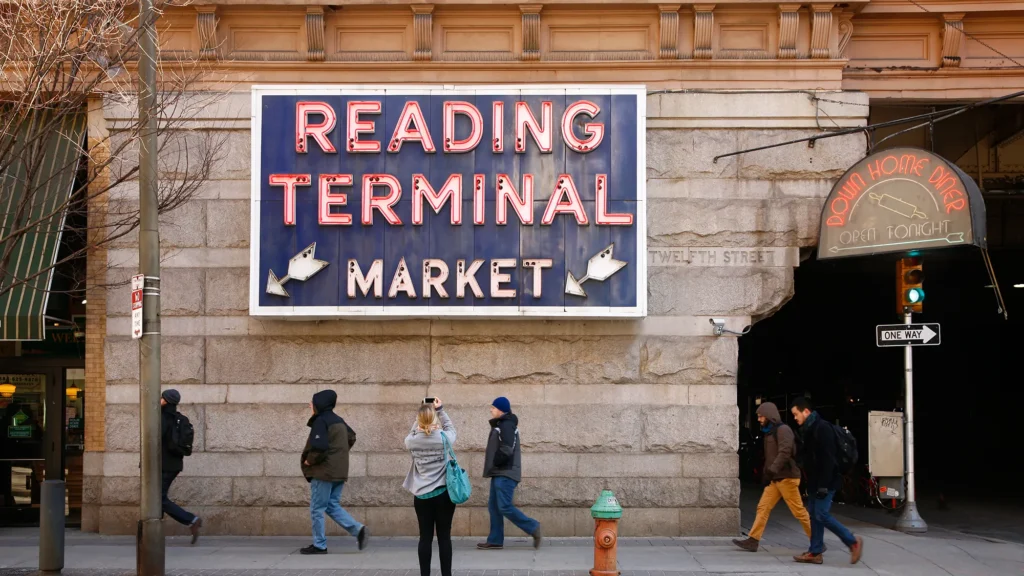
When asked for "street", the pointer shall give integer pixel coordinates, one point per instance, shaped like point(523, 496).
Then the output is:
point(886, 553)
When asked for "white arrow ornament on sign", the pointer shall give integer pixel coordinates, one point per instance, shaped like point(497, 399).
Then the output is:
point(600, 267)
point(301, 267)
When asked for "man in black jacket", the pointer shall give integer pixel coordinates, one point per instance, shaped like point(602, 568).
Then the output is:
point(172, 463)
point(823, 479)
point(325, 466)
point(503, 465)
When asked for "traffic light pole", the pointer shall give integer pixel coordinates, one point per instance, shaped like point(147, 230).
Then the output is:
point(911, 520)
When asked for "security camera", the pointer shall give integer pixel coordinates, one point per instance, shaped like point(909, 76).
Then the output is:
point(719, 328)
point(719, 325)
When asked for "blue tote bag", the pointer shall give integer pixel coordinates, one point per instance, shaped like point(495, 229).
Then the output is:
point(459, 488)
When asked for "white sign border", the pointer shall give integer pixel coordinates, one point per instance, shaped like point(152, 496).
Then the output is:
point(445, 312)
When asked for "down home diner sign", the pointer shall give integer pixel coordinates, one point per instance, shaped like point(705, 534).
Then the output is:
point(469, 201)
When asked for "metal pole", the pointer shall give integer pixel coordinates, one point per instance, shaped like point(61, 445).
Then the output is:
point(51, 496)
point(910, 520)
point(150, 537)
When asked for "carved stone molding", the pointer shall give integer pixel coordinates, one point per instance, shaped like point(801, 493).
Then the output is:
point(206, 21)
point(703, 31)
point(821, 30)
point(315, 33)
point(845, 32)
point(789, 26)
point(669, 31)
point(952, 33)
point(422, 24)
point(531, 30)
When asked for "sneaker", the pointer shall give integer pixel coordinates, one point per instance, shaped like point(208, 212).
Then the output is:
point(750, 544)
point(856, 550)
point(363, 538)
point(487, 546)
point(808, 558)
point(537, 538)
point(194, 528)
point(311, 549)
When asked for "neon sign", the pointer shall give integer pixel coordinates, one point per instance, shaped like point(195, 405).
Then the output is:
point(431, 201)
point(901, 200)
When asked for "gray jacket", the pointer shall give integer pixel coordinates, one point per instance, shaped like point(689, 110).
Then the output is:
point(428, 470)
point(504, 455)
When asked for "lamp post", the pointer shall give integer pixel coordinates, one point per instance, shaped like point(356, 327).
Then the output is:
point(150, 537)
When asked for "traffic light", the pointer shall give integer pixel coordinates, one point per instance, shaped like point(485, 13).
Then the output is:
point(909, 285)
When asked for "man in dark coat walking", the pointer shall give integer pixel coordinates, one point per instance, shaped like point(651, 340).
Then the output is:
point(325, 466)
point(503, 465)
point(781, 475)
point(172, 462)
point(823, 479)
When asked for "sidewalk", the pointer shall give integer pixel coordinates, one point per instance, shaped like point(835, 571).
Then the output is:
point(886, 553)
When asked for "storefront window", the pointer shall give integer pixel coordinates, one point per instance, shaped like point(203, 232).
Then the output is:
point(74, 439)
point(23, 412)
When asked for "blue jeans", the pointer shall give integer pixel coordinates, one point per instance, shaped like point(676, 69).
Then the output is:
point(326, 497)
point(821, 519)
point(180, 515)
point(500, 506)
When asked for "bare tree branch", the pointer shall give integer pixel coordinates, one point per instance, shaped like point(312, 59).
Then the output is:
point(56, 56)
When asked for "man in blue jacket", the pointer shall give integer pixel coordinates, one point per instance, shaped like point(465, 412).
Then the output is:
point(823, 479)
point(503, 465)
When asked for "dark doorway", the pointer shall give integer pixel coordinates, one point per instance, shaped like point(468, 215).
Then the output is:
point(822, 344)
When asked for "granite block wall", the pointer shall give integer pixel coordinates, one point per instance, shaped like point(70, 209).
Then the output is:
point(647, 407)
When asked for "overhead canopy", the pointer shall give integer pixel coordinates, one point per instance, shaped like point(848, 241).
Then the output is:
point(35, 185)
point(901, 200)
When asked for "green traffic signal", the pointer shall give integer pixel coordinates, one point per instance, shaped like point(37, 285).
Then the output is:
point(915, 295)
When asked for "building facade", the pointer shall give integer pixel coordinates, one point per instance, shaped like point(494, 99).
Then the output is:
point(644, 406)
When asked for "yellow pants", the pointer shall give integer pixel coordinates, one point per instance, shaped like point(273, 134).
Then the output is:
point(787, 489)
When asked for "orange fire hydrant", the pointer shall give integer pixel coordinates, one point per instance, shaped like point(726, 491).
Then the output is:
point(606, 513)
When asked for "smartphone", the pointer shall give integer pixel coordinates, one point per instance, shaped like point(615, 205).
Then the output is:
point(428, 400)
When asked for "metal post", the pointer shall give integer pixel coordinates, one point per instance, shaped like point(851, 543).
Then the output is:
point(150, 537)
point(51, 496)
point(911, 520)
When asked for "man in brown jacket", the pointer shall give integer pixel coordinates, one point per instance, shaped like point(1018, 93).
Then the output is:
point(781, 476)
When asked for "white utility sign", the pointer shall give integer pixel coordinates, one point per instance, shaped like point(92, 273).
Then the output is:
point(908, 335)
point(137, 281)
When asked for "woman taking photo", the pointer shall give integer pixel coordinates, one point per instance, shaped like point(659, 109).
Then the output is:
point(427, 482)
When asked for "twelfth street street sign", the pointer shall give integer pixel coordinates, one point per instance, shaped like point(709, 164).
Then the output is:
point(908, 335)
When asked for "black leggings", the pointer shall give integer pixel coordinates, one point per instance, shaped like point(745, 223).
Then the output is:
point(435, 514)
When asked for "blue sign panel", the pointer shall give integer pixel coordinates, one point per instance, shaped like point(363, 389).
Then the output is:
point(457, 202)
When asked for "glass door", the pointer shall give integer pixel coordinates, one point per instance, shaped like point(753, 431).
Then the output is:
point(74, 441)
point(22, 461)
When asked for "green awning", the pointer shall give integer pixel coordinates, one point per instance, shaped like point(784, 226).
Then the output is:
point(36, 181)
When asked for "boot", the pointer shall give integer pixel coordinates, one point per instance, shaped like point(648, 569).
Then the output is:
point(750, 544)
point(808, 558)
point(194, 528)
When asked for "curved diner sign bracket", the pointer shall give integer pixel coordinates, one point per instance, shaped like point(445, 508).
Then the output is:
point(899, 201)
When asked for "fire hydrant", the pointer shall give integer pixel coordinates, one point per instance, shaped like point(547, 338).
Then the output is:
point(606, 513)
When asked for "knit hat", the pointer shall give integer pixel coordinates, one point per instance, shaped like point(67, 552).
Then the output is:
point(172, 396)
point(502, 403)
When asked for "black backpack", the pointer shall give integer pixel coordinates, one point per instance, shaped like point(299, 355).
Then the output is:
point(182, 436)
point(846, 449)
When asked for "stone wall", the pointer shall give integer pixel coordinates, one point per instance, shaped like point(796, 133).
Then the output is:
point(646, 408)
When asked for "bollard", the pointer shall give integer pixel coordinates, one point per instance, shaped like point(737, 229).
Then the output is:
point(51, 527)
point(606, 513)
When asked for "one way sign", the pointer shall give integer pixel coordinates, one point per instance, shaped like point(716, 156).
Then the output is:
point(908, 335)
